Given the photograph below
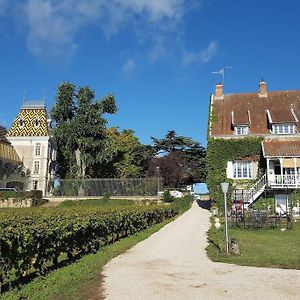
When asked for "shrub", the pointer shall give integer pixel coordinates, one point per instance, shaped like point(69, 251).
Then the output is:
point(12, 194)
point(167, 197)
point(106, 197)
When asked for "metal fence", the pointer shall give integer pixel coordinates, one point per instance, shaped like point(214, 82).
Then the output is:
point(259, 219)
point(92, 187)
point(274, 208)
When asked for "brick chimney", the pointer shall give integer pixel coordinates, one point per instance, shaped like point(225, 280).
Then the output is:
point(262, 89)
point(219, 91)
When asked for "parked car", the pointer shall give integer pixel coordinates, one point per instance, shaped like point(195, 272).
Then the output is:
point(197, 197)
point(8, 190)
point(176, 194)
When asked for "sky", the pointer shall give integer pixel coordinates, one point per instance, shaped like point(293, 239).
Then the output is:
point(155, 56)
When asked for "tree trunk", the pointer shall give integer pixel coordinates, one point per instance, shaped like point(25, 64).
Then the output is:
point(80, 172)
point(78, 162)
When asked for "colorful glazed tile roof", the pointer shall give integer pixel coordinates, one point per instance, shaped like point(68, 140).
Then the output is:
point(30, 122)
point(8, 153)
point(2, 133)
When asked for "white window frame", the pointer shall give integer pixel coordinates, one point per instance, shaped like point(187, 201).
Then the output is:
point(242, 170)
point(36, 167)
point(241, 130)
point(37, 123)
point(21, 123)
point(37, 149)
point(283, 128)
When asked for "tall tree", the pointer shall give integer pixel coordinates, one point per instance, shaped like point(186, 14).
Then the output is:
point(170, 167)
point(130, 156)
point(181, 160)
point(80, 130)
point(124, 143)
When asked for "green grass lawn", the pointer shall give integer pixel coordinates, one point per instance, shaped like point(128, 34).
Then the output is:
point(259, 247)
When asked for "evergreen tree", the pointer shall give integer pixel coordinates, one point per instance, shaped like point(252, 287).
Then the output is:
point(180, 160)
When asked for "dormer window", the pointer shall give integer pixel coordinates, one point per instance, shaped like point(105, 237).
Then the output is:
point(240, 121)
point(21, 123)
point(283, 128)
point(37, 123)
point(282, 121)
point(241, 130)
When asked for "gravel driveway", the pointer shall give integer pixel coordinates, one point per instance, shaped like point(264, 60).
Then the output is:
point(172, 264)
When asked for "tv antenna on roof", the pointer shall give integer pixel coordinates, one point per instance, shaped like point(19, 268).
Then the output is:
point(222, 73)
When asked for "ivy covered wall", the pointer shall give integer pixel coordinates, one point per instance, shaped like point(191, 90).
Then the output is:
point(219, 152)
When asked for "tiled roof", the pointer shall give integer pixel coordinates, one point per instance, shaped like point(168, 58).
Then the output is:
point(240, 117)
point(281, 148)
point(280, 115)
point(278, 103)
point(7, 151)
point(30, 122)
point(2, 133)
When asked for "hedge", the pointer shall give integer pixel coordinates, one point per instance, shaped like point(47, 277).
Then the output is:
point(31, 239)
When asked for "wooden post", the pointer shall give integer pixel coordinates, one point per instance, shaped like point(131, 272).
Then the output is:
point(281, 170)
point(295, 170)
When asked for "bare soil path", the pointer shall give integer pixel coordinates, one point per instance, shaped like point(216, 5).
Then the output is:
point(172, 264)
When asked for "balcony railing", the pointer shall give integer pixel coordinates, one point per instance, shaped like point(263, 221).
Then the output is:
point(285, 181)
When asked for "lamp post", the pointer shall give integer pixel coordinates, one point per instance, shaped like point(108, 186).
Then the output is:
point(224, 186)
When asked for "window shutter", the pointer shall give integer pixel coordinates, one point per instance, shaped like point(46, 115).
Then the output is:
point(229, 170)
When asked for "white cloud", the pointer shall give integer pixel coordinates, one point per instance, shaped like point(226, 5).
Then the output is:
point(207, 54)
point(50, 34)
point(158, 52)
point(53, 25)
point(129, 66)
point(155, 9)
point(203, 56)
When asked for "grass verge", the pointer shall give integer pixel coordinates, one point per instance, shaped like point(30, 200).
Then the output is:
point(270, 248)
point(79, 280)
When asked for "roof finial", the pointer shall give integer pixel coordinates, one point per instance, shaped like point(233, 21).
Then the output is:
point(24, 96)
point(44, 96)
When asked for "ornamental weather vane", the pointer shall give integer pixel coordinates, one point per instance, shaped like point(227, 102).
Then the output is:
point(222, 73)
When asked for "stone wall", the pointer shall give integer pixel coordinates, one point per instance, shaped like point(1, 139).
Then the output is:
point(13, 202)
point(21, 199)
